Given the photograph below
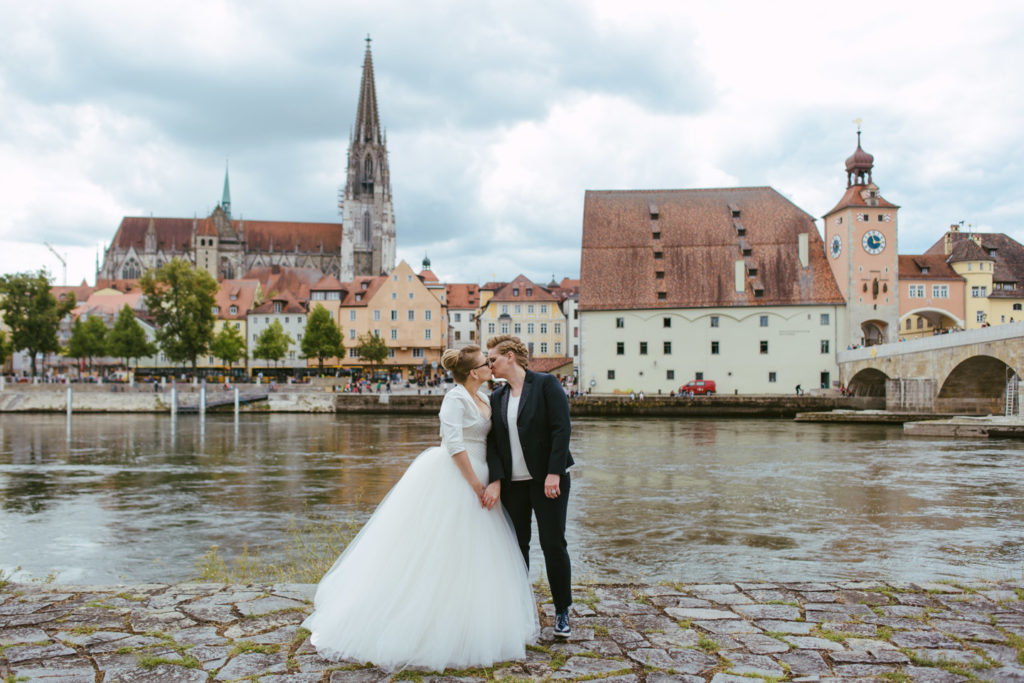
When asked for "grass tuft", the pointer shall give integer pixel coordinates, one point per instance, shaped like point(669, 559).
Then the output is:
point(245, 646)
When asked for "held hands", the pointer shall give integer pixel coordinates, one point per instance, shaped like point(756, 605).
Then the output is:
point(491, 494)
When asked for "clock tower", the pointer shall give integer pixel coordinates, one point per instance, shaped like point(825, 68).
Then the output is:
point(860, 238)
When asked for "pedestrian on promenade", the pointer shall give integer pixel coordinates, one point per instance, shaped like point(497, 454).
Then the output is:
point(528, 457)
point(435, 577)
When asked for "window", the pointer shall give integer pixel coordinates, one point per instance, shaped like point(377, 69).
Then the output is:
point(698, 375)
point(656, 235)
point(714, 348)
point(658, 255)
point(426, 333)
point(517, 328)
point(714, 321)
point(543, 328)
point(471, 317)
point(411, 314)
point(353, 352)
point(529, 308)
point(411, 296)
point(233, 310)
point(620, 322)
point(543, 347)
point(504, 328)
point(216, 310)
point(659, 275)
point(662, 296)
point(417, 353)
point(763, 321)
point(558, 347)
point(979, 291)
point(666, 322)
point(278, 306)
point(504, 308)
point(558, 328)
point(391, 353)
point(575, 349)
point(666, 348)
point(980, 316)
point(824, 345)
point(394, 333)
point(643, 348)
point(940, 291)
point(519, 308)
point(394, 295)
point(543, 308)
point(376, 315)
point(771, 377)
point(458, 317)
point(916, 291)
point(351, 315)
point(1016, 307)
point(238, 326)
point(529, 328)
point(490, 328)
point(920, 323)
point(620, 348)
point(428, 314)
point(394, 314)
point(670, 374)
point(351, 334)
point(472, 335)
point(611, 374)
point(824, 318)
point(529, 291)
point(458, 335)
point(764, 346)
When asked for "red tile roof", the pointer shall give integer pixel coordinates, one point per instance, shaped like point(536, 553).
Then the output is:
point(463, 296)
point(328, 283)
point(523, 289)
point(551, 364)
point(1007, 253)
point(240, 293)
point(289, 304)
point(175, 234)
point(912, 267)
point(285, 280)
point(428, 276)
point(853, 197)
point(699, 243)
point(361, 289)
point(80, 292)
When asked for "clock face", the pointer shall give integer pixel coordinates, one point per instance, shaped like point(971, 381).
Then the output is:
point(836, 246)
point(873, 242)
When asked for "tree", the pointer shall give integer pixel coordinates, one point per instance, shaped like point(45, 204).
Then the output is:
point(272, 343)
point(180, 298)
point(322, 337)
point(33, 313)
point(88, 339)
point(228, 345)
point(372, 348)
point(5, 348)
point(127, 339)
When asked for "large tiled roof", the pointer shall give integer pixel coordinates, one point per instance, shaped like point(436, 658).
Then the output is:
point(80, 292)
point(361, 289)
point(914, 267)
point(463, 295)
point(551, 364)
point(1007, 253)
point(175, 234)
point(700, 244)
point(240, 293)
point(285, 280)
point(968, 250)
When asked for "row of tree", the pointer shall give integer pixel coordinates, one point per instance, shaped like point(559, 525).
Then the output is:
point(180, 300)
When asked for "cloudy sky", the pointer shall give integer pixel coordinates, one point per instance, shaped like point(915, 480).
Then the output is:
point(499, 115)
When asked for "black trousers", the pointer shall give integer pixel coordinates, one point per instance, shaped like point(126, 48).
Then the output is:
point(523, 500)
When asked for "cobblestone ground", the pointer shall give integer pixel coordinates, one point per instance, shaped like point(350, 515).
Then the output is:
point(723, 633)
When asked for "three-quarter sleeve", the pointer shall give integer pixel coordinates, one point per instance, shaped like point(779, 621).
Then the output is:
point(453, 418)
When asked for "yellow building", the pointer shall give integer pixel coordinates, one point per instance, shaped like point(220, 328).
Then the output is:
point(401, 309)
point(527, 310)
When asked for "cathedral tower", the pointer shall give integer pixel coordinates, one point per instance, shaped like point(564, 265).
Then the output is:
point(860, 236)
point(368, 219)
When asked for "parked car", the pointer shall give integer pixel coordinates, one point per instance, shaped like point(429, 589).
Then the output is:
point(699, 387)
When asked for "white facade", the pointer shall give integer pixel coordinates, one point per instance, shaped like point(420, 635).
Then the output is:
point(462, 327)
point(745, 350)
point(571, 311)
point(294, 324)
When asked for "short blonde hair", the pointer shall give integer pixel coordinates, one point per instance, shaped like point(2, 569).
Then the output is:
point(460, 362)
point(507, 342)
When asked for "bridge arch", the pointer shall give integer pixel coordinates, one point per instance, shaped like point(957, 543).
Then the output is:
point(976, 385)
point(868, 382)
point(937, 318)
point(874, 332)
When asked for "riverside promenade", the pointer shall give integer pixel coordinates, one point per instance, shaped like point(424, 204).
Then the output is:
point(723, 633)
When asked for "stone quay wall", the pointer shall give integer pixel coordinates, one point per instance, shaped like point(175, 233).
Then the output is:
point(825, 631)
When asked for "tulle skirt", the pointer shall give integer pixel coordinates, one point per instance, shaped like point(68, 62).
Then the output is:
point(431, 580)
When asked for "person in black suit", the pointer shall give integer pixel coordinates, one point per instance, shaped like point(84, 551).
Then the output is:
point(528, 464)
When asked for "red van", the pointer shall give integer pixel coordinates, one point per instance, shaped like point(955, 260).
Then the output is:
point(699, 387)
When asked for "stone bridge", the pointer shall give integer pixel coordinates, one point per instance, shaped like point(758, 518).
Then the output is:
point(962, 372)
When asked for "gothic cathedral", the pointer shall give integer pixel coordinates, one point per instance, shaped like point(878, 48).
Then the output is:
point(228, 247)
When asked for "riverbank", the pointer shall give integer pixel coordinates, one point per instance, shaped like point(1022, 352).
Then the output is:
point(311, 399)
point(723, 633)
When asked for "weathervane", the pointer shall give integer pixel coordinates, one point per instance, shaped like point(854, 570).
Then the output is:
point(858, 121)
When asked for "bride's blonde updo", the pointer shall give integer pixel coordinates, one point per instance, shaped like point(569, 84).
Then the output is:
point(460, 362)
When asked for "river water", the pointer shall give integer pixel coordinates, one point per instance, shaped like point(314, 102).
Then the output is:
point(139, 498)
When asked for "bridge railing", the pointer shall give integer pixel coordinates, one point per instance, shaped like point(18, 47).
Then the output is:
point(995, 333)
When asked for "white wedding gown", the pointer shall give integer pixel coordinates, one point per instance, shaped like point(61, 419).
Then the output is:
point(432, 579)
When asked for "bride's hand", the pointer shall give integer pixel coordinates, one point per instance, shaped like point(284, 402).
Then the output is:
point(491, 495)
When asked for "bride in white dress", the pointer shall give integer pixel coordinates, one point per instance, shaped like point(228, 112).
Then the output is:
point(433, 579)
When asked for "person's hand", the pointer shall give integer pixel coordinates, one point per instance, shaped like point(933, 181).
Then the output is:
point(552, 486)
point(491, 495)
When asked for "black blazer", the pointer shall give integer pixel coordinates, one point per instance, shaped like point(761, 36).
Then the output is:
point(543, 425)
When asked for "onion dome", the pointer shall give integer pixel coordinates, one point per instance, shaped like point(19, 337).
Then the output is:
point(858, 166)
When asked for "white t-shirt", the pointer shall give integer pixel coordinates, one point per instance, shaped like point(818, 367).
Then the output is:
point(519, 470)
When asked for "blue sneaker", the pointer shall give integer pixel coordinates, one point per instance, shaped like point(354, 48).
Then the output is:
point(562, 628)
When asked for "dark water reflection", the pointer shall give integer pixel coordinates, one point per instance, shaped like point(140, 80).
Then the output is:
point(139, 498)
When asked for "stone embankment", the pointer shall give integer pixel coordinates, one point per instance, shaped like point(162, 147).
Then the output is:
point(290, 398)
point(723, 633)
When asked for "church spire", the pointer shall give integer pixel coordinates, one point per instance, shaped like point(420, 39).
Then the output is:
point(225, 200)
point(367, 127)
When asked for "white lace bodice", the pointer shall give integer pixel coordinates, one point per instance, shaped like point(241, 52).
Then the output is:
point(464, 427)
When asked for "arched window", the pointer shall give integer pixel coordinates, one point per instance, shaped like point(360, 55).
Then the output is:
point(131, 270)
point(366, 227)
point(368, 169)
